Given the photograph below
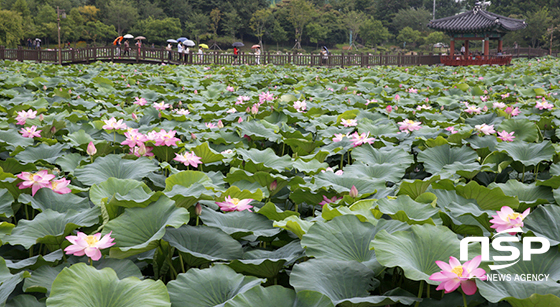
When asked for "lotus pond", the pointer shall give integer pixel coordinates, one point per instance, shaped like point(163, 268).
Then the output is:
point(138, 185)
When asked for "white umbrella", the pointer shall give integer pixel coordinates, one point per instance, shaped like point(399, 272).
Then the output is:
point(128, 36)
point(189, 43)
point(171, 41)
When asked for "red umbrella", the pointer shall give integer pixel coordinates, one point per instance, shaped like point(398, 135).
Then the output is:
point(120, 38)
point(255, 46)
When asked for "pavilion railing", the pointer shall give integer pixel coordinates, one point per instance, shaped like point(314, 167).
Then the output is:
point(160, 55)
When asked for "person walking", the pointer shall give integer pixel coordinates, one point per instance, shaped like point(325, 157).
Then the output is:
point(258, 55)
point(119, 48)
point(38, 45)
point(126, 48)
point(324, 55)
point(169, 49)
point(180, 51)
point(139, 46)
point(235, 55)
point(200, 54)
point(185, 53)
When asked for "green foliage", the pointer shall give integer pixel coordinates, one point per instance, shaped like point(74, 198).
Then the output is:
point(373, 32)
point(11, 28)
point(159, 30)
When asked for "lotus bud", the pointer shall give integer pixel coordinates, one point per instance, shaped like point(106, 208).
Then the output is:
point(195, 92)
point(44, 87)
point(41, 117)
point(389, 109)
point(240, 120)
point(91, 150)
point(353, 192)
point(273, 186)
point(248, 110)
point(180, 103)
point(198, 209)
point(220, 124)
point(255, 109)
point(159, 115)
point(53, 129)
point(142, 150)
point(193, 136)
point(134, 116)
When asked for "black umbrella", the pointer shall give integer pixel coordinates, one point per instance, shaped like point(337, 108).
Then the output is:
point(238, 44)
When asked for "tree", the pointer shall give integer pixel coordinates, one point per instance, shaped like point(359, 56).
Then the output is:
point(88, 12)
point(301, 12)
point(215, 17)
point(278, 34)
point(232, 23)
point(417, 19)
point(197, 25)
point(21, 7)
point(373, 32)
point(409, 36)
point(96, 30)
point(353, 20)
point(75, 25)
point(121, 14)
point(11, 28)
point(316, 32)
point(537, 24)
point(159, 30)
point(46, 22)
point(259, 21)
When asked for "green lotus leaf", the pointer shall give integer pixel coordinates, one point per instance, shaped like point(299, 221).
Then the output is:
point(364, 210)
point(368, 155)
point(47, 199)
point(264, 160)
point(8, 282)
point(186, 179)
point(25, 300)
point(34, 262)
point(415, 188)
point(13, 138)
point(239, 224)
point(206, 154)
point(188, 196)
point(404, 209)
point(529, 195)
point(267, 264)
point(5, 229)
point(294, 224)
point(42, 152)
point(274, 213)
point(82, 285)
point(78, 138)
point(414, 251)
point(203, 244)
point(209, 287)
point(387, 172)
point(278, 296)
point(343, 238)
point(114, 166)
point(449, 158)
point(496, 162)
point(13, 166)
point(525, 130)
point(51, 227)
point(521, 294)
point(343, 183)
point(69, 162)
point(486, 198)
point(139, 229)
point(126, 193)
point(257, 130)
point(6, 200)
point(546, 264)
point(544, 221)
point(236, 192)
point(528, 153)
point(310, 167)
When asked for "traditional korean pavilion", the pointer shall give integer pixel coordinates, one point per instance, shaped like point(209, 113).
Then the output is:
point(477, 24)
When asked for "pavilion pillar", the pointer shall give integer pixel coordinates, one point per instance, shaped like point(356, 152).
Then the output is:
point(500, 45)
point(452, 47)
point(487, 46)
point(466, 49)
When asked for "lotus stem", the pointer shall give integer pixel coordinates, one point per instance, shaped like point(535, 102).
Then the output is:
point(523, 176)
point(427, 290)
point(420, 290)
point(182, 263)
point(464, 299)
point(536, 172)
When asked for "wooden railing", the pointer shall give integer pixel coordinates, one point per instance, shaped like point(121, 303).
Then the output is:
point(160, 55)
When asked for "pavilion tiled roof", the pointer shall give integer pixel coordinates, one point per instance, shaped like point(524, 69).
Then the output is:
point(477, 21)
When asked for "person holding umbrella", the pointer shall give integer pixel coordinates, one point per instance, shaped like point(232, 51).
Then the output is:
point(169, 49)
point(180, 51)
point(257, 53)
point(324, 55)
point(200, 53)
point(235, 54)
point(126, 48)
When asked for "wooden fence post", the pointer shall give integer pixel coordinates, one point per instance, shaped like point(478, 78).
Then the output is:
point(2, 53)
point(342, 59)
point(162, 54)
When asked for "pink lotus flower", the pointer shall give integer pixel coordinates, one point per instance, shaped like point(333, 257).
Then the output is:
point(480, 78)
point(240, 120)
point(134, 138)
point(300, 106)
point(451, 129)
point(232, 110)
point(512, 112)
point(24, 115)
point(266, 97)
point(36, 181)
point(90, 246)
point(505, 136)
point(329, 169)
point(504, 96)
point(484, 98)
point(161, 106)
point(499, 105)
point(30, 132)
point(188, 158)
point(473, 109)
point(424, 107)
point(113, 124)
point(544, 105)
point(235, 204)
point(454, 274)
point(329, 201)
point(134, 116)
point(349, 122)
point(210, 125)
point(183, 112)
point(413, 91)
point(359, 139)
point(230, 89)
point(408, 125)
point(506, 219)
point(338, 137)
point(166, 138)
point(353, 192)
point(141, 151)
point(91, 150)
point(60, 186)
point(389, 109)
point(484, 128)
point(397, 97)
point(255, 109)
point(220, 124)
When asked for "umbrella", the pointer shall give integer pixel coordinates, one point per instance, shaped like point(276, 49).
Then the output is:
point(128, 36)
point(182, 39)
point(38, 39)
point(171, 41)
point(189, 43)
point(118, 39)
point(238, 44)
point(203, 46)
point(140, 37)
point(255, 46)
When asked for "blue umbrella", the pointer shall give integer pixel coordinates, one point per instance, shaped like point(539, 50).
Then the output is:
point(181, 39)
